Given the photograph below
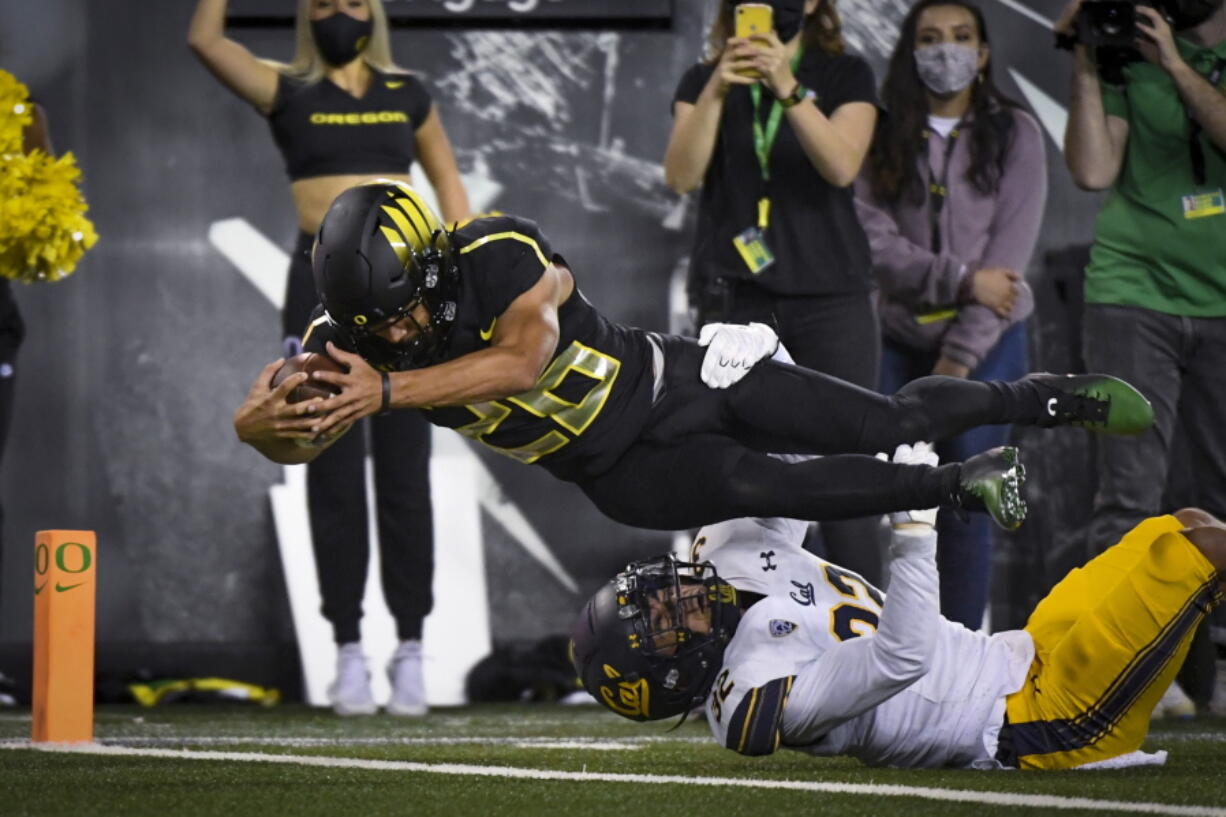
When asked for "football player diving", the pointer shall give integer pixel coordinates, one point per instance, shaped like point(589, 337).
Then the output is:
point(483, 327)
point(787, 650)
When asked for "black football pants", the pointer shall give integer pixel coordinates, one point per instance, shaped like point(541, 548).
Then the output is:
point(839, 335)
point(703, 454)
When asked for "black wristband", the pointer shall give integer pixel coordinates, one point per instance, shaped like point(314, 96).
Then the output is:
point(795, 98)
point(387, 393)
point(1065, 41)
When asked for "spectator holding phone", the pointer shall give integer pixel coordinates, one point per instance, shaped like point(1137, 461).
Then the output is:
point(774, 128)
point(952, 198)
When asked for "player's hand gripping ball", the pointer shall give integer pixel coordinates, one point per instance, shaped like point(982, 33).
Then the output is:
point(308, 362)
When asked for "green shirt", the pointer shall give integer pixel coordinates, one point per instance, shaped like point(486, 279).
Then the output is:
point(1146, 252)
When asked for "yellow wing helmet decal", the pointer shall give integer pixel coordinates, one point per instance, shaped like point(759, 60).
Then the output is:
point(415, 224)
point(633, 700)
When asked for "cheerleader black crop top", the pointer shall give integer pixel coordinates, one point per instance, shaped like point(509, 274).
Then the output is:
point(323, 130)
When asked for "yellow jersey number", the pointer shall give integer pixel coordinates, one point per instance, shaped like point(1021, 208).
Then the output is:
point(720, 691)
point(849, 620)
point(542, 402)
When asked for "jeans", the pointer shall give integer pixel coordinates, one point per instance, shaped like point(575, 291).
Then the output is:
point(964, 556)
point(1179, 364)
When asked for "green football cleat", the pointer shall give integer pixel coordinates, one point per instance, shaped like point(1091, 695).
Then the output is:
point(1098, 402)
point(992, 482)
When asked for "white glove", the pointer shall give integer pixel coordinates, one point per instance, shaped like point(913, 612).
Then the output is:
point(733, 349)
point(919, 454)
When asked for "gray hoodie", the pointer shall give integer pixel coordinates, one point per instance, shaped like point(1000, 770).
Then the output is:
point(977, 231)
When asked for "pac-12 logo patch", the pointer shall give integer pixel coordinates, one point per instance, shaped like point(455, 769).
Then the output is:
point(779, 627)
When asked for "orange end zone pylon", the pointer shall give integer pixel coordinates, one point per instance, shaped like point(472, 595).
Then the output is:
point(64, 582)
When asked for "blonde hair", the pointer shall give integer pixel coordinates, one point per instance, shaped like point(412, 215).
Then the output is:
point(822, 30)
point(308, 65)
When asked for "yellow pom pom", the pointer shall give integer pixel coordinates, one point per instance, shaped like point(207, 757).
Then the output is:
point(43, 227)
point(15, 112)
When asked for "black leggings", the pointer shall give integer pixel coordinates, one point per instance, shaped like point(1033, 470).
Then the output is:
point(300, 297)
point(336, 498)
point(703, 455)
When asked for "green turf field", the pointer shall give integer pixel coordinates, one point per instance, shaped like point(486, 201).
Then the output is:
point(535, 760)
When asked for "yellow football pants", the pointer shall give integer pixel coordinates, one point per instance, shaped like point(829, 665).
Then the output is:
point(1109, 639)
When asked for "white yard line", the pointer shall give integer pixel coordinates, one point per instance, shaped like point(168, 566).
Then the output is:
point(1044, 801)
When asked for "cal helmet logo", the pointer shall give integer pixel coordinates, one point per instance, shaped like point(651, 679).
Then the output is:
point(632, 699)
point(780, 628)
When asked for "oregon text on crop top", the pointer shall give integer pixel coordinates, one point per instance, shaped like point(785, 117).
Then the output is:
point(323, 130)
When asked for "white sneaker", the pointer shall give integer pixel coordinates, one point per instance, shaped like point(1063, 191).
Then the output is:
point(408, 683)
point(1174, 703)
point(350, 692)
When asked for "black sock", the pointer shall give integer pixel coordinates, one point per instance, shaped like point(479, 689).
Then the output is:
point(949, 481)
point(1020, 401)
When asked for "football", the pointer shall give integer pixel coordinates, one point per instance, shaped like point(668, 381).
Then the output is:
point(308, 362)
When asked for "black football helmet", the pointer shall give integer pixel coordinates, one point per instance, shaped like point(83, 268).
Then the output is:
point(631, 647)
point(379, 253)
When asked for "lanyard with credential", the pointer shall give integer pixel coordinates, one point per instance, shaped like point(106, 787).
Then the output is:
point(764, 139)
point(936, 187)
point(1194, 148)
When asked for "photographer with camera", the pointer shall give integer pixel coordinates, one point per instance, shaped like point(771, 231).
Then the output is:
point(1155, 287)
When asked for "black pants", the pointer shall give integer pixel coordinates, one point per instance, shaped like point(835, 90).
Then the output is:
point(12, 332)
point(836, 334)
point(336, 497)
point(703, 454)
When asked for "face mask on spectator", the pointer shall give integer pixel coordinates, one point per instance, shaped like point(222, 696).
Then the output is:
point(947, 68)
point(340, 37)
point(789, 16)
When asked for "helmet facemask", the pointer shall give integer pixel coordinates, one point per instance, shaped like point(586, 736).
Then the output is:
point(655, 637)
point(436, 292)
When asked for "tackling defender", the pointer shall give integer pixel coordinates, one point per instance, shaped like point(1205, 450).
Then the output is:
point(789, 650)
point(483, 327)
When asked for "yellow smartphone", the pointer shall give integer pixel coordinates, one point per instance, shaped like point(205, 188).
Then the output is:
point(751, 19)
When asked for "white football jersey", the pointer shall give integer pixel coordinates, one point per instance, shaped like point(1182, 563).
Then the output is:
point(827, 664)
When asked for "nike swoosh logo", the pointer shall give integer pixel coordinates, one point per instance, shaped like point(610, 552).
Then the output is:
point(486, 334)
point(394, 85)
point(60, 588)
point(39, 588)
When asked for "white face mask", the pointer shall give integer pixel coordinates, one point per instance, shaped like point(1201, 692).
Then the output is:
point(947, 68)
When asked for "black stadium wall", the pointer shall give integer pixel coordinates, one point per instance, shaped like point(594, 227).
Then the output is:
point(133, 366)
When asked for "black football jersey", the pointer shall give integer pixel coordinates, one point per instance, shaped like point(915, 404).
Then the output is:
point(591, 401)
